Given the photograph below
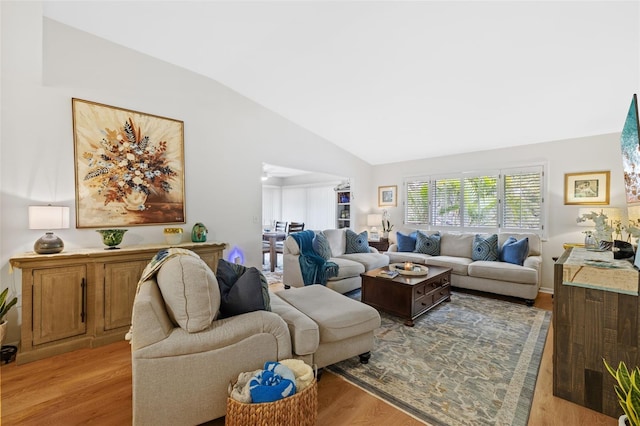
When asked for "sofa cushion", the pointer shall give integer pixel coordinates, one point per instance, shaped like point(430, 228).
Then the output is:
point(338, 317)
point(456, 244)
point(337, 240)
point(515, 251)
point(321, 246)
point(190, 292)
point(346, 268)
point(402, 256)
point(458, 265)
point(406, 243)
point(502, 271)
point(242, 289)
point(369, 260)
point(305, 336)
point(428, 244)
point(356, 243)
point(485, 247)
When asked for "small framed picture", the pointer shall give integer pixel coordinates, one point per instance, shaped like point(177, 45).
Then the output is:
point(586, 188)
point(388, 196)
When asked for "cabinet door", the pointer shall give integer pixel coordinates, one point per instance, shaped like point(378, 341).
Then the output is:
point(59, 303)
point(120, 283)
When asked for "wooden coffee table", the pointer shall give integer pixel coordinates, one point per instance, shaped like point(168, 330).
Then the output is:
point(407, 296)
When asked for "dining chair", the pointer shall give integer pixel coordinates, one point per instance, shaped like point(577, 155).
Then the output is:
point(281, 226)
point(296, 227)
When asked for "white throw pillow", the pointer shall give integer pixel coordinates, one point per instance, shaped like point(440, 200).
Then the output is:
point(190, 291)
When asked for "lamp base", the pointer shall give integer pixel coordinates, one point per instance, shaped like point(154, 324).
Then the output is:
point(48, 244)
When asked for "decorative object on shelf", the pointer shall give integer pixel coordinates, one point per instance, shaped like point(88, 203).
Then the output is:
point(387, 196)
point(5, 306)
point(48, 217)
point(623, 250)
point(408, 268)
point(602, 222)
point(629, 140)
point(586, 188)
point(199, 233)
point(373, 220)
point(173, 235)
point(112, 237)
point(386, 224)
point(129, 166)
point(628, 391)
point(590, 241)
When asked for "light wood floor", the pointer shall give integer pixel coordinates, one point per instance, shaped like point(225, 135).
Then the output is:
point(93, 386)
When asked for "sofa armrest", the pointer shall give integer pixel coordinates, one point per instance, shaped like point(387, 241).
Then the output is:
point(373, 250)
point(152, 323)
point(393, 247)
point(221, 333)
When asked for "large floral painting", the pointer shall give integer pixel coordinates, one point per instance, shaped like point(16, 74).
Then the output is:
point(129, 167)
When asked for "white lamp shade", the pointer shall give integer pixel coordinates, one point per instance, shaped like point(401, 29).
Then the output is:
point(633, 212)
point(48, 217)
point(374, 219)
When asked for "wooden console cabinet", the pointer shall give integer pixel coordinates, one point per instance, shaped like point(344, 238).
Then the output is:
point(596, 316)
point(83, 298)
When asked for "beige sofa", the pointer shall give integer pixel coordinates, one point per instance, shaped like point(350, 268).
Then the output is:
point(182, 364)
point(350, 266)
point(489, 276)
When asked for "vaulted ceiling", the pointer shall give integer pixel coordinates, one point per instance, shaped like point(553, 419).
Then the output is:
point(390, 81)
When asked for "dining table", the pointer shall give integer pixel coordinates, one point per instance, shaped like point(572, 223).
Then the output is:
point(273, 237)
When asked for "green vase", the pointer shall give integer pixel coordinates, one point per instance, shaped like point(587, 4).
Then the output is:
point(199, 233)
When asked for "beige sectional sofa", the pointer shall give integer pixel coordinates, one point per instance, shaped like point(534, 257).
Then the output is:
point(350, 266)
point(184, 357)
point(489, 276)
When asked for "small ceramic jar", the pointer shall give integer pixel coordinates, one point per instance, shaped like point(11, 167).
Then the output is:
point(173, 235)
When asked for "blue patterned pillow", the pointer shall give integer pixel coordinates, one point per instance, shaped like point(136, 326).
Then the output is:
point(485, 248)
point(321, 246)
point(428, 244)
point(406, 242)
point(357, 243)
point(514, 251)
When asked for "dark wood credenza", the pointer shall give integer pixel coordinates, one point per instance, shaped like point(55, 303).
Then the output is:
point(595, 317)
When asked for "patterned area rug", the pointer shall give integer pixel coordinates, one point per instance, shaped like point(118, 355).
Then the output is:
point(472, 361)
point(273, 277)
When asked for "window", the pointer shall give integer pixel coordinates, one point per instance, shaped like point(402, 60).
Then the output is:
point(508, 199)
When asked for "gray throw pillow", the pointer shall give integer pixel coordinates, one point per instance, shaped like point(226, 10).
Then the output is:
point(357, 243)
point(428, 244)
point(485, 248)
point(321, 246)
point(242, 289)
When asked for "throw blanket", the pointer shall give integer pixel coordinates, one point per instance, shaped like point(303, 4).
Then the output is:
point(152, 269)
point(269, 386)
point(315, 269)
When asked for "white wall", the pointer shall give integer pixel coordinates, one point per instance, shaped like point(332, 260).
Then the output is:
point(586, 154)
point(227, 137)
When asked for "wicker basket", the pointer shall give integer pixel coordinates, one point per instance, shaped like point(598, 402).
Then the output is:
point(300, 409)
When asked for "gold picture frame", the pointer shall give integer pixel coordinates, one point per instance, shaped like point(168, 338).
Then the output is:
point(129, 167)
point(388, 196)
point(590, 188)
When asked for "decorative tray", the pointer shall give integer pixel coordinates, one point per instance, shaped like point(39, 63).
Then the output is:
point(415, 269)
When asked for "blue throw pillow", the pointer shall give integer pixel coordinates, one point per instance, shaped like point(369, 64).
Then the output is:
point(515, 251)
point(485, 248)
point(406, 242)
point(357, 243)
point(428, 244)
point(321, 246)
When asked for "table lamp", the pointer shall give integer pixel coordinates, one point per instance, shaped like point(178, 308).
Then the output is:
point(373, 220)
point(48, 217)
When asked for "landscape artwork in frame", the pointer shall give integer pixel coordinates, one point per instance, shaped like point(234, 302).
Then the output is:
point(387, 196)
point(129, 167)
point(586, 188)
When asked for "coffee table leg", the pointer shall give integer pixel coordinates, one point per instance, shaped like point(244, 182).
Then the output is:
point(409, 322)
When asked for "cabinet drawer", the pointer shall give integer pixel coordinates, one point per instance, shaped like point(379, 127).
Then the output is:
point(422, 304)
point(420, 290)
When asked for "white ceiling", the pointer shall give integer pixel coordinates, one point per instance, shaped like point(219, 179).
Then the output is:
point(390, 81)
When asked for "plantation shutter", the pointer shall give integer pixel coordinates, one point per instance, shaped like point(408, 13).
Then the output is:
point(417, 210)
point(481, 201)
point(446, 202)
point(522, 207)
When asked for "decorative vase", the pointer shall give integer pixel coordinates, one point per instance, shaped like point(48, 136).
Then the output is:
point(135, 201)
point(622, 420)
point(590, 242)
point(199, 233)
point(112, 237)
point(173, 235)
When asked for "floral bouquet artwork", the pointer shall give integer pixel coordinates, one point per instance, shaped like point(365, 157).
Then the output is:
point(129, 167)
